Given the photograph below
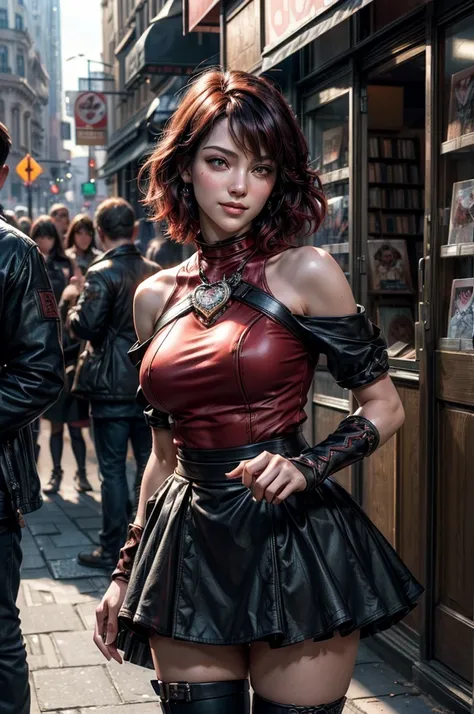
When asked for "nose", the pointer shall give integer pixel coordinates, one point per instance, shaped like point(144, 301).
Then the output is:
point(238, 185)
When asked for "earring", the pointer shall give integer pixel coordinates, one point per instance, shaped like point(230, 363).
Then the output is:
point(269, 205)
point(185, 192)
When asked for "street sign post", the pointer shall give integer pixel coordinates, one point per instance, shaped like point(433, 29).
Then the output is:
point(28, 170)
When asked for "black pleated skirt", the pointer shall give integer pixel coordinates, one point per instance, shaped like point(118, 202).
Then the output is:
point(216, 567)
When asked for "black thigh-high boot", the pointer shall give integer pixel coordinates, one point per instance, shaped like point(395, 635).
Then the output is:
point(265, 706)
point(229, 697)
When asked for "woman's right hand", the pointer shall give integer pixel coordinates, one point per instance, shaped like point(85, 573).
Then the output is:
point(106, 620)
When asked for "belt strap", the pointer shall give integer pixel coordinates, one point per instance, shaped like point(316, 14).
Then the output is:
point(289, 444)
point(191, 691)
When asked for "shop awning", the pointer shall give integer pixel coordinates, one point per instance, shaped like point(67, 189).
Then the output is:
point(163, 49)
point(201, 16)
point(310, 31)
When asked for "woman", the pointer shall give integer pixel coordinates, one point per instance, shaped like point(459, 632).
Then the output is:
point(248, 559)
point(68, 409)
point(80, 241)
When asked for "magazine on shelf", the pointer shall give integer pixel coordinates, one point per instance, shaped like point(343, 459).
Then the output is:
point(461, 104)
point(461, 309)
point(461, 222)
point(397, 325)
point(389, 267)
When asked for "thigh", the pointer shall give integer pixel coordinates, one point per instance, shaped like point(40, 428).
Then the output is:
point(111, 444)
point(305, 674)
point(179, 661)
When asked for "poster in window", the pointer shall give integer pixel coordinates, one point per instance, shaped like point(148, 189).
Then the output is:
point(389, 267)
point(461, 316)
point(332, 144)
point(461, 223)
point(461, 104)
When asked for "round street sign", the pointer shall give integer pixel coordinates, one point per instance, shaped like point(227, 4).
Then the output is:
point(28, 169)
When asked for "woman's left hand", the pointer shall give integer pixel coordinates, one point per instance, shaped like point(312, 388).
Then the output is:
point(270, 477)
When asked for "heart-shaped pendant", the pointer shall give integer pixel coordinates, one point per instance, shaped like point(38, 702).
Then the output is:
point(210, 301)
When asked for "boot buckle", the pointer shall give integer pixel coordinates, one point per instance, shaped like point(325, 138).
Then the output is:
point(172, 691)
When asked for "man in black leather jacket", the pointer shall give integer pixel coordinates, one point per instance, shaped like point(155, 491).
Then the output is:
point(31, 379)
point(104, 316)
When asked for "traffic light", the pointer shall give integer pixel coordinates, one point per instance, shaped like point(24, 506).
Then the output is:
point(92, 170)
point(54, 188)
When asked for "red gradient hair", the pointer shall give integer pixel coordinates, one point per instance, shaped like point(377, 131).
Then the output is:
point(259, 119)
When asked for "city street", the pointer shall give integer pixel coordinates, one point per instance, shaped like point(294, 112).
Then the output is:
point(58, 598)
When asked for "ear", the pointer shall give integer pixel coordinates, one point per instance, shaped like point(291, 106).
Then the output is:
point(185, 170)
point(4, 171)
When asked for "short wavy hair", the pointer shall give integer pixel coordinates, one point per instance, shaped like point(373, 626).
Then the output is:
point(259, 117)
point(79, 222)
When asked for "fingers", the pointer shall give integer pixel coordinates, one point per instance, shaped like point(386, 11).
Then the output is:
point(269, 476)
point(237, 472)
point(105, 632)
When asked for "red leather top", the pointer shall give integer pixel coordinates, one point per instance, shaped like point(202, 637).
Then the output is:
point(244, 379)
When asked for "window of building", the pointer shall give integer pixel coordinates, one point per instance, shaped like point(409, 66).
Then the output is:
point(3, 18)
point(19, 22)
point(3, 59)
point(20, 64)
point(2, 111)
point(26, 131)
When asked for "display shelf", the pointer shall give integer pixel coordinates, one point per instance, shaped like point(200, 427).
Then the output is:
point(336, 248)
point(392, 160)
point(397, 210)
point(335, 176)
point(455, 376)
point(461, 144)
point(457, 249)
point(392, 184)
point(387, 236)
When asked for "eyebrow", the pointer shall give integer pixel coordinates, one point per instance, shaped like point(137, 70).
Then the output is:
point(232, 153)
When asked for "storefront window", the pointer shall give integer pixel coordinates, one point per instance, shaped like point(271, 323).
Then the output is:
point(327, 47)
point(456, 236)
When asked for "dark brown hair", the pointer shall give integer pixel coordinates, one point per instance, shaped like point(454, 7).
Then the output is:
point(116, 218)
point(44, 227)
point(5, 143)
point(79, 222)
point(259, 117)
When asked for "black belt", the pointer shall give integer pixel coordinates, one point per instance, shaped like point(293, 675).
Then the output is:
point(211, 464)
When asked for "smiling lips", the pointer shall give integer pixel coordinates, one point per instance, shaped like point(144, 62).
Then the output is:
point(234, 209)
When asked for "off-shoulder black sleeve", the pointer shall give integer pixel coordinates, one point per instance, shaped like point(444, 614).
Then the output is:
point(355, 349)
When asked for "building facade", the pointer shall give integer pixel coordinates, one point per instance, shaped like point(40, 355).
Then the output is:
point(24, 83)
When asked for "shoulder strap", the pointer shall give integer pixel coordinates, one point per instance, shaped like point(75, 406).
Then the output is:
point(274, 309)
point(245, 293)
point(137, 351)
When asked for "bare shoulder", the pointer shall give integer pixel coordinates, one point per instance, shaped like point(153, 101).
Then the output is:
point(321, 284)
point(150, 298)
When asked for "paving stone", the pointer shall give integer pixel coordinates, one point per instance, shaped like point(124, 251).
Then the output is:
point(365, 655)
point(76, 511)
point(53, 553)
point(67, 593)
point(43, 528)
point(147, 708)
point(70, 568)
point(94, 536)
point(89, 523)
point(77, 649)
point(32, 561)
point(41, 652)
point(50, 618)
point(70, 537)
point(132, 682)
point(374, 680)
point(74, 687)
point(29, 548)
point(405, 704)
point(35, 574)
point(34, 701)
point(86, 612)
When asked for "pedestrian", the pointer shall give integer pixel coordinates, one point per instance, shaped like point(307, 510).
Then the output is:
point(59, 213)
point(31, 379)
point(9, 217)
point(164, 251)
point(24, 224)
point(245, 557)
point(80, 242)
point(104, 316)
point(68, 409)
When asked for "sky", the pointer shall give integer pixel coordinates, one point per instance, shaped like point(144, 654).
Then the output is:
point(81, 25)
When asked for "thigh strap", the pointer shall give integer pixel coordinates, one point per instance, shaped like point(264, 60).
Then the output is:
point(192, 691)
point(265, 706)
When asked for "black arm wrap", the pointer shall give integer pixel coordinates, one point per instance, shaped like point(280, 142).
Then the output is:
point(354, 439)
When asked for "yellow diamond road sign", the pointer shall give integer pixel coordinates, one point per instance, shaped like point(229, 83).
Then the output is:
point(28, 169)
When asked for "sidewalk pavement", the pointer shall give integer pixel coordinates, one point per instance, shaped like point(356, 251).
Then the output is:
point(58, 598)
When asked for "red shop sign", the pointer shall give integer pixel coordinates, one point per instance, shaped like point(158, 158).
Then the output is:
point(284, 17)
